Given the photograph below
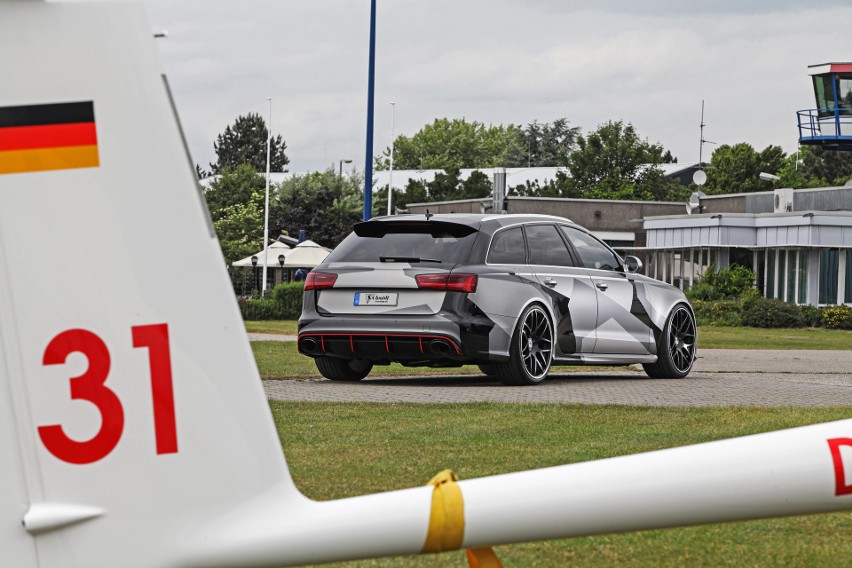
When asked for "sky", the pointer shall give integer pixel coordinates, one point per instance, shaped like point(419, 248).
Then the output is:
point(649, 63)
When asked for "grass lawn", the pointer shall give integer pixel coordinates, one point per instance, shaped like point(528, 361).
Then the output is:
point(758, 338)
point(283, 327)
point(342, 450)
point(281, 360)
point(708, 337)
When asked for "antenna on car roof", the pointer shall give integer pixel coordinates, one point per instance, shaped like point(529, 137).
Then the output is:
point(429, 214)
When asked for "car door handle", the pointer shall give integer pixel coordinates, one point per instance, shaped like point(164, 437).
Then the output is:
point(550, 282)
point(602, 286)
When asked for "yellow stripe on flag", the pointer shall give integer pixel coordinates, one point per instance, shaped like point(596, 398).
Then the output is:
point(42, 159)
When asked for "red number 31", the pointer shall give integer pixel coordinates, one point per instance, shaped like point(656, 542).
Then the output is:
point(91, 386)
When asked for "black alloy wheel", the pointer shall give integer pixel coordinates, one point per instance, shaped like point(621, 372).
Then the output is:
point(531, 351)
point(676, 349)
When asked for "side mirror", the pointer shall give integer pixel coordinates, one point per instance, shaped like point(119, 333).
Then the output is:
point(632, 264)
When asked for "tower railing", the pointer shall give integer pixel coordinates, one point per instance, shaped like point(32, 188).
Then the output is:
point(830, 128)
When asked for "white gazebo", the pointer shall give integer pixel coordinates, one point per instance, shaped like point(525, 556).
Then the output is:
point(275, 250)
point(306, 254)
point(277, 273)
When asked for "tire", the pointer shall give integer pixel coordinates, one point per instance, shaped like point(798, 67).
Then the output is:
point(488, 369)
point(531, 350)
point(336, 369)
point(676, 347)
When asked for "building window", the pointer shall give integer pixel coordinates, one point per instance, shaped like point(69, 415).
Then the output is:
point(848, 273)
point(803, 277)
point(770, 273)
point(829, 271)
point(792, 272)
point(782, 273)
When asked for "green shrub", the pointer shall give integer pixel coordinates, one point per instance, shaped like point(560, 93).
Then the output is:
point(702, 291)
point(720, 312)
point(811, 315)
point(725, 284)
point(770, 312)
point(289, 296)
point(837, 317)
point(284, 303)
point(253, 309)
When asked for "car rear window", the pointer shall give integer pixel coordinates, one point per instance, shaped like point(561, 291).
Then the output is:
point(374, 241)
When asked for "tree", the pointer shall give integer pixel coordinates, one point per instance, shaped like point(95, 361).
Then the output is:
point(235, 202)
point(245, 143)
point(613, 162)
point(821, 167)
point(446, 144)
point(446, 186)
point(325, 204)
point(545, 145)
point(737, 168)
point(233, 187)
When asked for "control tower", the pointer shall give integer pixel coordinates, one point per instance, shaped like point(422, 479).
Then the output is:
point(830, 124)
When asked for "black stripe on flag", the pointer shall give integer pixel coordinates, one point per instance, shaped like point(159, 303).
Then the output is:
point(38, 115)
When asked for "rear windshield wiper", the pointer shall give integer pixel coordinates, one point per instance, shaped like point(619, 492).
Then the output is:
point(408, 259)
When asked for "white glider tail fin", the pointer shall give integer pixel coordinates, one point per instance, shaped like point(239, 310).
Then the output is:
point(129, 396)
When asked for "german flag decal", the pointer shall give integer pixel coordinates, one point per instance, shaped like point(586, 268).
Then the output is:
point(36, 138)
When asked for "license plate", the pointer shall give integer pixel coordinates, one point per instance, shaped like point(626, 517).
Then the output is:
point(375, 299)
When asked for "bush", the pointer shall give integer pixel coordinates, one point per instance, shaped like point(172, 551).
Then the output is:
point(285, 303)
point(725, 284)
point(811, 315)
point(770, 312)
point(289, 296)
point(837, 317)
point(721, 312)
point(702, 291)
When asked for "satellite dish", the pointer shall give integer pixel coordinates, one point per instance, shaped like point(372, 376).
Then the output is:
point(699, 177)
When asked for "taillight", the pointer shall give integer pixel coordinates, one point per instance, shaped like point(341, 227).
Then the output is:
point(319, 280)
point(448, 282)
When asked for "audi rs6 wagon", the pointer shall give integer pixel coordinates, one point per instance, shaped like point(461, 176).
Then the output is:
point(513, 294)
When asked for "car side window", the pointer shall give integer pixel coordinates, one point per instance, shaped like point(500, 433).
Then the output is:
point(593, 254)
point(507, 247)
point(547, 247)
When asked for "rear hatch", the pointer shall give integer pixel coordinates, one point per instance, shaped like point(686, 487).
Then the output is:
point(395, 267)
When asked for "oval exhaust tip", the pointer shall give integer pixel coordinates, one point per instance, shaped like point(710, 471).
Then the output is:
point(309, 345)
point(440, 347)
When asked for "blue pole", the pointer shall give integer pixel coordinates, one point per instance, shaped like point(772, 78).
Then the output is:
point(836, 105)
point(368, 166)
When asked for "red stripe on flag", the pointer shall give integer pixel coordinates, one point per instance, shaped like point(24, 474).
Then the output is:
point(48, 136)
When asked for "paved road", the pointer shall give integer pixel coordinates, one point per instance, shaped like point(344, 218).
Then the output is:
point(721, 377)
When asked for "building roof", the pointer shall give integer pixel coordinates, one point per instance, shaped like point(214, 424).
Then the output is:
point(751, 230)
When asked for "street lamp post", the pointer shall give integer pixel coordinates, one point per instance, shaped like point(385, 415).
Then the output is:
point(343, 161)
point(266, 202)
point(390, 177)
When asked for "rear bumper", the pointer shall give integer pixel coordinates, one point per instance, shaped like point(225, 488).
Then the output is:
point(424, 339)
point(390, 347)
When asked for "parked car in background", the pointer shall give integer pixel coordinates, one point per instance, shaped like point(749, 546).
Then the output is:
point(514, 294)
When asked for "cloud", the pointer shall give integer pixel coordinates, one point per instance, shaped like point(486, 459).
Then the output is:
point(649, 63)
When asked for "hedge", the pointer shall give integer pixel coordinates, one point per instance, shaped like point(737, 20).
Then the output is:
point(837, 317)
point(771, 312)
point(284, 303)
point(756, 311)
